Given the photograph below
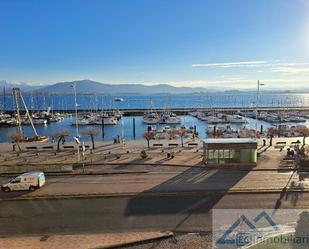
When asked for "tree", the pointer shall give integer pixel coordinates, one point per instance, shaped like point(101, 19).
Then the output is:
point(172, 133)
point(60, 135)
point(304, 132)
point(181, 133)
point(274, 131)
point(148, 135)
point(92, 133)
point(17, 138)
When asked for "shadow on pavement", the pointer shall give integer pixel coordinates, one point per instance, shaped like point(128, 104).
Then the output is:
point(14, 194)
point(292, 196)
point(192, 181)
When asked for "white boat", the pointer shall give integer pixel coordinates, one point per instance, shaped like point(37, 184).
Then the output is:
point(95, 120)
point(236, 119)
point(38, 121)
point(106, 120)
point(169, 118)
point(84, 121)
point(117, 99)
point(213, 120)
point(151, 118)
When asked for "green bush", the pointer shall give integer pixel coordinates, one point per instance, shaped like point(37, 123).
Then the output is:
point(144, 154)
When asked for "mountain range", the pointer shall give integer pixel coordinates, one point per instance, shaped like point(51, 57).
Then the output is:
point(93, 87)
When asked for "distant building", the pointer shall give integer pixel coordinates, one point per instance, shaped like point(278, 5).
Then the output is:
point(230, 151)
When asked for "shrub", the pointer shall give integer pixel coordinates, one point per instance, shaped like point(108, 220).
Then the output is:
point(144, 154)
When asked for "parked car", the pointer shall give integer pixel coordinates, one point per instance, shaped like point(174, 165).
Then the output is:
point(27, 181)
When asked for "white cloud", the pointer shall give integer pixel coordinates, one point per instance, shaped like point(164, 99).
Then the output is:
point(258, 63)
point(290, 70)
point(231, 64)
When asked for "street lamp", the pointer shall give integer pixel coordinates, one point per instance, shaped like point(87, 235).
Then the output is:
point(257, 105)
point(76, 122)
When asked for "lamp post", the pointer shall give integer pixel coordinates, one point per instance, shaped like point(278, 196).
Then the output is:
point(257, 105)
point(76, 122)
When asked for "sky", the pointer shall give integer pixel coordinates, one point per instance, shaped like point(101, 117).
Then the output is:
point(208, 43)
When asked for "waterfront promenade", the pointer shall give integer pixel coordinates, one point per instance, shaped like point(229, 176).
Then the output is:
point(118, 192)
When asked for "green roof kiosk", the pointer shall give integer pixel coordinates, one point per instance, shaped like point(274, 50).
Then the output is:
point(230, 152)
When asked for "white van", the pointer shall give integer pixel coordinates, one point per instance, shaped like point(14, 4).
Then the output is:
point(27, 181)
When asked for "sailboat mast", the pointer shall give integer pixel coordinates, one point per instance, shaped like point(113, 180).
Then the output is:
point(18, 119)
point(4, 99)
point(27, 112)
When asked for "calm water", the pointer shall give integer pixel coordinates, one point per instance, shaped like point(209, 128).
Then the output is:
point(111, 132)
point(93, 102)
point(161, 101)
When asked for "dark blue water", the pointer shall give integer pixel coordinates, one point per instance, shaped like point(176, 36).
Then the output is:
point(216, 100)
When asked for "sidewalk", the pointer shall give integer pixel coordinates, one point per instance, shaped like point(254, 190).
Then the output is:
point(82, 241)
point(173, 182)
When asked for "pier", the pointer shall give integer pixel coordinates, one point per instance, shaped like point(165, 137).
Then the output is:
point(186, 111)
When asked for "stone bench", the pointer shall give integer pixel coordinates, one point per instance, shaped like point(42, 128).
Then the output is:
point(173, 144)
point(157, 145)
point(47, 147)
point(31, 148)
point(68, 147)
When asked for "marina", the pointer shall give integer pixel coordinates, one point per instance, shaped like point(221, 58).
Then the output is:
point(124, 126)
point(129, 117)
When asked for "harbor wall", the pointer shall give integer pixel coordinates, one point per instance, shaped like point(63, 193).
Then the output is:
point(186, 111)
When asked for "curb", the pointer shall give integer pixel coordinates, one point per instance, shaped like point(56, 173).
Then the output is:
point(136, 242)
point(155, 165)
point(149, 194)
point(81, 174)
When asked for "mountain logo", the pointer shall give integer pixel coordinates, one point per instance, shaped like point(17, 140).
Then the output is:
point(231, 236)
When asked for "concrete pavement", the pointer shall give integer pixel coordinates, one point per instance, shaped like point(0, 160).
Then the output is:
point(81, 241)
point(164, 180)
point(130, 214)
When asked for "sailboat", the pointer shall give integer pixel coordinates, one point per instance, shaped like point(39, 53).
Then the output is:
point(37, 138)
point(151, 117)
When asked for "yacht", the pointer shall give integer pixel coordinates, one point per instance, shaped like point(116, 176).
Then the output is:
point(36, 121)
point(7, 120)
point(213, 120)
point(151, 118)
point(169, 118)
point(235, 119)
point(106, 120)
point(83, 121)
point(95, 120)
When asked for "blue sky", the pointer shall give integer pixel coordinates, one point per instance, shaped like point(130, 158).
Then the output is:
point(218, 43)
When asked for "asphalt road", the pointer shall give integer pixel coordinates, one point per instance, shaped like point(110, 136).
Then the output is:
point(178, 180)
point(139, 213)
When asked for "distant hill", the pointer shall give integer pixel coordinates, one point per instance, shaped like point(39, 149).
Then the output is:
point(10, 85)
point(91, 87)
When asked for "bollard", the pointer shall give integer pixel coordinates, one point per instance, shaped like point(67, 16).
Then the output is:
point(134, 128)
